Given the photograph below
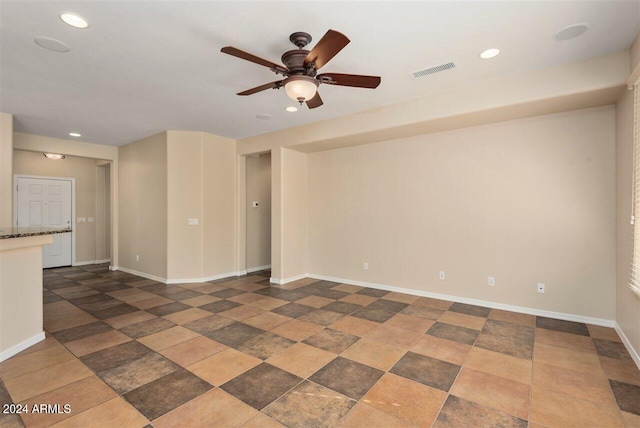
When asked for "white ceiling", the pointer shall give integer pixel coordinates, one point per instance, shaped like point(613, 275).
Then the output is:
point(148, 66)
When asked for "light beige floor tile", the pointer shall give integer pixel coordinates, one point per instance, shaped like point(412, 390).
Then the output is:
point(560, 339)
point(129, 319)
point(193, 350)
point(374, 354)
point(97, 342)
point(21, 364)
point(168, 338)
point(442, 349)
point(463, 320)
point(496, 363)
point(223, 366)
point(187, 315)
point(297, 330)
point(550, 409)
point(301, 359)
point(117, 411)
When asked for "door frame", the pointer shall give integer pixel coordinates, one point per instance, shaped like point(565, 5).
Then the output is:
point(73, 205)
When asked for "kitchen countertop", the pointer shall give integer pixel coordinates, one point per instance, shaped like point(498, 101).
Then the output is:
point(21, 232)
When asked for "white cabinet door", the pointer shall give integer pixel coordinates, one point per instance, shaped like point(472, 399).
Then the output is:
point(47, 203)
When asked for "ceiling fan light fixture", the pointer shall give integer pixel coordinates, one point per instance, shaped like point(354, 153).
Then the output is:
point(300, 88)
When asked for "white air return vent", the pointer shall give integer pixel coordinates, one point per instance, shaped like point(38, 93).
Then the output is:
point(432, 70)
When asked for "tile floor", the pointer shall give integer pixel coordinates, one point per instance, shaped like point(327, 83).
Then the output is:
point(124, 351)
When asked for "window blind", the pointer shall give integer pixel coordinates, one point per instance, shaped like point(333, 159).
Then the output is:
point(634, 282)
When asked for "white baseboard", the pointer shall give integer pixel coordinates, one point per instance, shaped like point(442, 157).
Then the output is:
point(258, 268)
point(494, 305)
point(90, 262)
point(177, 281)
point(627, 344)
point(8, 353)
point(288, 280)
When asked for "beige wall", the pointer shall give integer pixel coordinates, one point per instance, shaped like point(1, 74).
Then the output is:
point(143, 205)
point(201, 173)
point(6, 168)
point(294, 213)
point(102, 211)
point(524, 201)
point(220, 205)
point(184, 186)
point(84, 172)
point(258, 232)
point(627, 303)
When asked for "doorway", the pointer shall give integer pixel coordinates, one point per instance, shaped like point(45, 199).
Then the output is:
point(258, 203)
point(47, 202)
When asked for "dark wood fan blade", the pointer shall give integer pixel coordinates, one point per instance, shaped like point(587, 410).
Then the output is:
point(355, 80)
point(314, 102)
point(272, 85)
point(328, 46)
point(230, 50)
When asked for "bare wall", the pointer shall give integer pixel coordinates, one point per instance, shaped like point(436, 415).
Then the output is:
point(142, 205)
point(524, 201)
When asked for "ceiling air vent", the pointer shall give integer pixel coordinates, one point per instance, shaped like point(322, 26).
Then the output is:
point(431, 70)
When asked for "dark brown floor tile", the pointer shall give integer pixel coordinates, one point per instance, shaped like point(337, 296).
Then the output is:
point(229, 292)
point(315, 406)
point(331, 340)
point(208, 325)
point(422, 312)
point(114, 311)
point(347, 377)
point(426, 370)
point(328, 293)
point(165, 394)
point(607, 348)
point(377, 315)
point(507, 338)
point(293, 310)
point(265, 345)
point(220, 306)
point(388, 305)
point(452, 332)
point(235, 334)
point(458, 412)
point(261, 385)
point(561, 325)
point(135, 373)
point(8, 419)
point(161, 289)
point(627, 396)
point(49, 297)
point(168, 309)
point(184, 295)
point(146, 328)
point(95, 302)
point(342, 307)
point(115, 356)
point(478, 311)
point(289, 295)
point(372, 292)
point(75, 333)
point(108, 287)
point(322, 317)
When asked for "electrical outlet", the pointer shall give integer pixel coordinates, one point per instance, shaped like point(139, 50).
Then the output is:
point(137, 258)
point(540, 288)
point(441, 275)
point(492, 281)
point(365, 266)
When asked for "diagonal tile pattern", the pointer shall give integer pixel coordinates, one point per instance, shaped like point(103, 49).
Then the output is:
point(128, 351)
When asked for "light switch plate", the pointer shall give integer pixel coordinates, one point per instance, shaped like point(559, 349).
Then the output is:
point(193, 222)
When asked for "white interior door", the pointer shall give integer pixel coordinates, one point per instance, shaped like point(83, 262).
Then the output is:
point(47, 203)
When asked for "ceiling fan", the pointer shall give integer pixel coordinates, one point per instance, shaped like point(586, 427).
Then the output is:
point(300, 68)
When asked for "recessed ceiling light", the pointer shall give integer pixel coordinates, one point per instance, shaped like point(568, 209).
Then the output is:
point(74, 20)
point(264, 116)
point(490, 53)
point(75, 134)
point(291, 109)
point(51, 44)
point(570, 32)
point(54, 156)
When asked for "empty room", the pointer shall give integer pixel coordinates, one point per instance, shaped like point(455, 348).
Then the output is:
point(319, 213)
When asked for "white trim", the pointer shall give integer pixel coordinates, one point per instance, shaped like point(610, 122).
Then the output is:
point(627, 344)
point(73, 205)
point(91, 262)
point(521, 309)
point(287, 280)
point(177, 281)
point(258, 268)
point(8, 353)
